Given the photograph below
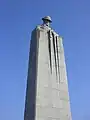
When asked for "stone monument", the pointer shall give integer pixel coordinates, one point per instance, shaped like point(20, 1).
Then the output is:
point(47, 96)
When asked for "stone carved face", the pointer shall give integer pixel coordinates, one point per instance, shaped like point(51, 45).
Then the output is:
point(46, 22)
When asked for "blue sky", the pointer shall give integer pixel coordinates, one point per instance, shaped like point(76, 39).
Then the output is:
point(71, 19)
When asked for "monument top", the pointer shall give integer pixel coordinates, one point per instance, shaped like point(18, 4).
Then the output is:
point(46, 26)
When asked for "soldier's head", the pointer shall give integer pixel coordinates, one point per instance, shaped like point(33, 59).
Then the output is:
point(47, 20)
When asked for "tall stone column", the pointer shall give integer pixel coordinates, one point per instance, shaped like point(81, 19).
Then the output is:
point(47, 96)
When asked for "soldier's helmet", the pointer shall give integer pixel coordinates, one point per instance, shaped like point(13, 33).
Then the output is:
point(48, 18)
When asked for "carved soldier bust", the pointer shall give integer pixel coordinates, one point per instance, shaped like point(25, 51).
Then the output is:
point(46, 21)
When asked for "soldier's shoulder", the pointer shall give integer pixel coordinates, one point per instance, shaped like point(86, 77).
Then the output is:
point(41, 27)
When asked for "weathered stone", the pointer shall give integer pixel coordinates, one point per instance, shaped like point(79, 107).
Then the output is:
point(47, 95)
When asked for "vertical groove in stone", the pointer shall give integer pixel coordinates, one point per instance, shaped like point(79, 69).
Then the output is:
point(49, 49)
point(57, 58)
point(54, 53)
